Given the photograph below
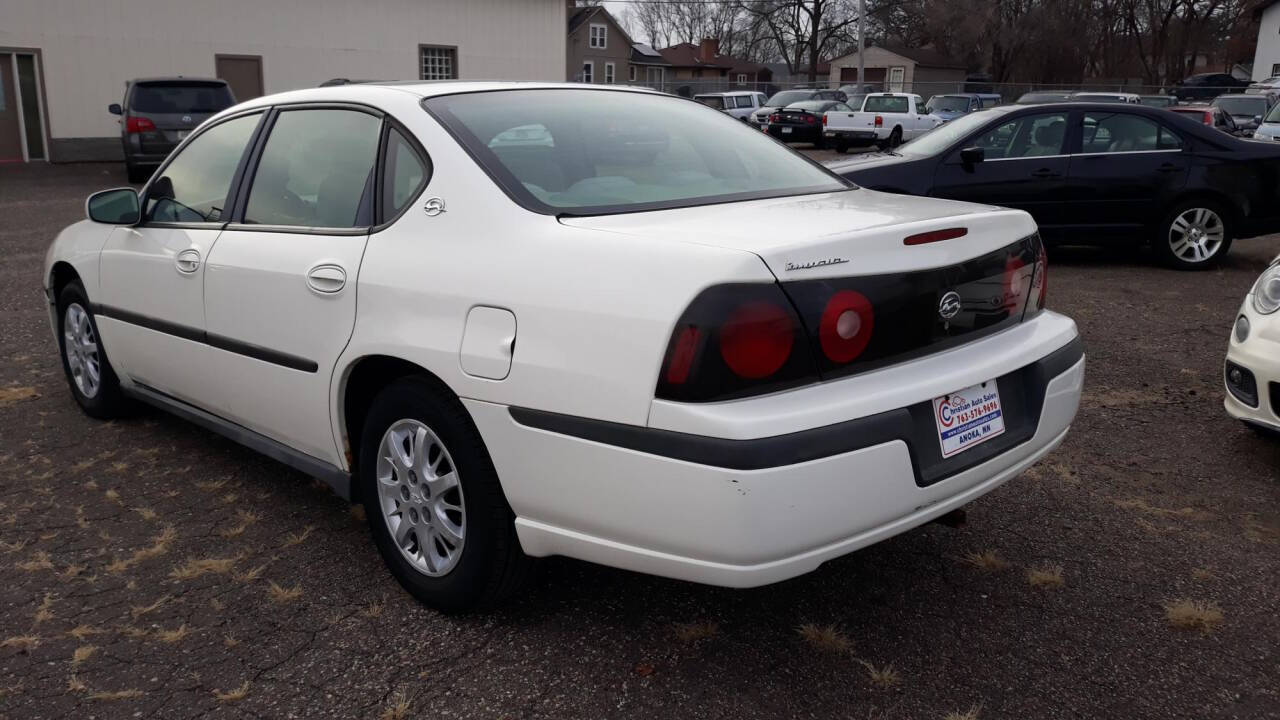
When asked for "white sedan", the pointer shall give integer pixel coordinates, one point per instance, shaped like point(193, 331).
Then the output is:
point(1252, 370)
point(522, 320)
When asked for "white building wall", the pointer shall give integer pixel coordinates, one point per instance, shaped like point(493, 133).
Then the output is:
point(89, 48)
point(1268, 52)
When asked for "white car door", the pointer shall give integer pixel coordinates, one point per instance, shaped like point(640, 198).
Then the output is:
point(151, 301)
point(280, 285)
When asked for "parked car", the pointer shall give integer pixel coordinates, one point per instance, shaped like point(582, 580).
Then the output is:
point(782, 99)
point(1207, 86)
point(950, 107)
point(1270, 128)
point(1246, 111)
point(1159, 101)
point(906, 338)
point(158, 113)
point(1209, 116)
point(1105, 97)
point(1270, 86)
point(1086, 171)
point(886, 119)
point(864, 90)
point(734, 104)
point(803, 121)
point(1252, 369)
point(1044, 96)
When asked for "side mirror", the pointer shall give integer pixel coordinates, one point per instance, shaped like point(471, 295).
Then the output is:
point(115, 109)
point(971, 156)
point(118, 206)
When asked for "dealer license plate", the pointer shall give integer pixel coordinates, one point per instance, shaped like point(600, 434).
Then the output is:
point(968, 417)
point(786, 130)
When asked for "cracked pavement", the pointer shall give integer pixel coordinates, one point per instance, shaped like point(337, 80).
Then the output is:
point(150, 569)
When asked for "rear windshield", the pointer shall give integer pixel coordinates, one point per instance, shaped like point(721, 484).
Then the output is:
point(886, 104)
point(1159, 101)
point(947, 103)
point(1099, 98)
point(712, 101)
point(786, 97)
point(602, 152)
point(174, 97)
point(1032, 98)
point(1243, 105)
point(811, 105)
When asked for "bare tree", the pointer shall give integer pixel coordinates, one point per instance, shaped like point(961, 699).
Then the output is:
point(804, 31)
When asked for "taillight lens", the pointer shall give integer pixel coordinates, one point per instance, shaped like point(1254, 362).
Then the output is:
point(1208, 118)
point(139, 124)
point(1039, 284)
point(811, 119)
point(824, 120)
point(879, 121)
point(775, 118)
point(1017, 278)
point(733, 341)
point(846, 326)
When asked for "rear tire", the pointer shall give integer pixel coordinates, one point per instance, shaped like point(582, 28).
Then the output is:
point(93, 381)
point(1194, 235)
point(842, 148)
point(426, 477)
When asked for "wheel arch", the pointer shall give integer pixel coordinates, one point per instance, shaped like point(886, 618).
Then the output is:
point(60, 275)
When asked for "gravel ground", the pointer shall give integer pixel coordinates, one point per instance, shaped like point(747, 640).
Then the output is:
point(150, 569)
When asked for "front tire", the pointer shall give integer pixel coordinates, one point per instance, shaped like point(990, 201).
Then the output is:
point(434, 503)
point(93, 381)
point(1194, 235)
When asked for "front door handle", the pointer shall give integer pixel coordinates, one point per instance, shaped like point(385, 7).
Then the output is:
point(1168, 167)
point(327, 278)
point(188, 261)
point(1045, 173)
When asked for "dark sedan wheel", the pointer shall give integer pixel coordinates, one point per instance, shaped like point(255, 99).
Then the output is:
point(1195, 235)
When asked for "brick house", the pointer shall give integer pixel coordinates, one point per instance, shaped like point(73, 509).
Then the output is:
point(701, 68)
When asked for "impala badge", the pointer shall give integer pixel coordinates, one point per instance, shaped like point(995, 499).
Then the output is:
point(949, 305)
point(433, 206)
point(815, 264)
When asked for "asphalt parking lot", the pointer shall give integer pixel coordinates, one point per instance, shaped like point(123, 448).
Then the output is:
point(150, 569)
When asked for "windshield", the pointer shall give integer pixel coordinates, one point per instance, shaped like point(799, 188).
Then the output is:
point(942, 137)
point(1157, 101)
point(786, 97)
point(1274, 115)
point(886, 104)
point(181, 97)
point(1243, 105)
point(712, 101)
point(603, 152)
point(947, 103)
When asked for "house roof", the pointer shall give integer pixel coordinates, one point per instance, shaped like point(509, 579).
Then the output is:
point(687, 55)
point(921, 56)
point(581, 15)
point(642, 54)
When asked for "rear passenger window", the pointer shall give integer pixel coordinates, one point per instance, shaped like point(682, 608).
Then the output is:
point(315, 170)
point(403, 175)
point(1122, 132)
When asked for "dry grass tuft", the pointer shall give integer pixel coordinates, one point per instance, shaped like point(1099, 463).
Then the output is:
point(1193, 615)
point(970, 714)
point(229, 498)
point(82, 653)
point(883, 678)
point(114, 496)
point(74, 684)
point(72, 572)
point(21, 643)
point(827, 638)
point(138, 611)
point(298, 538)
point(14, 395)
point(174, 635)
point(251, 574)
point(233, 695)
point(14, 546)
point(246, 519)
point(83, 465)
point(82, 631)
point(159, 546)
point(283, 595)
point(194, 568)
point(211, 485)
point(146, 513)
point(39, 561)
point(230, 641)
point(1201, 574)
point(397, 710)
point(986, 561)
point(690, 633)
point(374, 609)
point(116, 695)
point(217, 604)
point(1045, 576)
point(1143, 506)
point(45, 611)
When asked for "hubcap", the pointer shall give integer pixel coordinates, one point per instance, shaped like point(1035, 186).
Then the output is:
point(80, 346)
point(1196, 235)
point(420, 497)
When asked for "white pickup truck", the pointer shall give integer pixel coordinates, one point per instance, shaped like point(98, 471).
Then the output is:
point(886, 119)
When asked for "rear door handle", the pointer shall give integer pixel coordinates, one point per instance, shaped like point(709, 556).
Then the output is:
point(327, 278)
point(187, 261)
point(1045, 173)
point(1168, 167)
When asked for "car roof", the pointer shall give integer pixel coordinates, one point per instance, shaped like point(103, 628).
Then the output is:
point(371, 92)
point(177, 79)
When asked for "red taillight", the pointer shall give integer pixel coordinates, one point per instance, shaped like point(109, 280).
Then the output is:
point(935, 236)
point(139, 124)
point(824, 120)
point(812, 119)
point(1015, 285)
point(1039, 282)
point(775, 118)
point(682, 356)
point(1208, 118)
point(757, 339)
point(846, 325)
point(879, 121)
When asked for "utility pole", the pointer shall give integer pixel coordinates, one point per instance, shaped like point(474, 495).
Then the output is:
point(862, 13)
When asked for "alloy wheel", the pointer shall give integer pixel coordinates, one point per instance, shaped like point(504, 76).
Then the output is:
point(420, 497)
point(80, 345)
point(1196, 235)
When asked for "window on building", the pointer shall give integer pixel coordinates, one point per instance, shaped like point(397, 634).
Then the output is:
point(439, 63)
point(631, 73)
point(742, 78)
point(599, 36)
point(1275, 70)
point(588, 72)
point(608, 73)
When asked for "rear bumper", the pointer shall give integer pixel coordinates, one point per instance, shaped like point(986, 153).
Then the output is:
point(748, 512)
point(852, 136)
point(799, 133)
